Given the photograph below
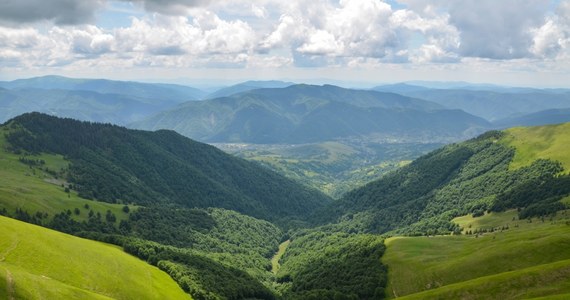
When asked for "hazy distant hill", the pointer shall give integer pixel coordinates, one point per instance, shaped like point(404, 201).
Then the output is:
point(96, 100)
point(306, 113)
point(493, 105)
point(151, 91)
point(81, 105)
point(545, 117)
point(111, 163)
point(248, 86)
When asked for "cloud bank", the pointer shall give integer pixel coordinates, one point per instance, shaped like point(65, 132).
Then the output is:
point(271, 33)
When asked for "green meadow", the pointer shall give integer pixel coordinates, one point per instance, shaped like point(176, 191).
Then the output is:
point(38, 263)
point(532, 143)
point(531, 257)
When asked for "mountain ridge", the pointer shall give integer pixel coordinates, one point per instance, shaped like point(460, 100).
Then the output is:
point(305, 113)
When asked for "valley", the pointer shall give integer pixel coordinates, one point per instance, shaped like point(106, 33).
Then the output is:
point(354, 217)
point(284, 150)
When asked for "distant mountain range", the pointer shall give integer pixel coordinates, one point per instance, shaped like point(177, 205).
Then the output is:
point(545, 117)
point(492, 103)
point(97, 100)
point(248, 86)
point(150, 91)
point(307, 113)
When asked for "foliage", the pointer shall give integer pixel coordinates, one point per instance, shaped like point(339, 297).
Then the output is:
point(197, 274)
point(467, 178)
point(328, 264)
point(114, 164)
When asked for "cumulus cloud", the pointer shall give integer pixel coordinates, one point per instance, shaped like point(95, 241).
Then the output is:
point(496, 29)
point(62, 12)
point(353, 33)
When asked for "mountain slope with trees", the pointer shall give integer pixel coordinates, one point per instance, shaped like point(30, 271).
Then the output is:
point(306, 114)
point(465, 178)
point(114, 164)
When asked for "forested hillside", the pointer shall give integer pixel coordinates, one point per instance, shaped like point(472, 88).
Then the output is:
point(465, 178)
point(114, 164)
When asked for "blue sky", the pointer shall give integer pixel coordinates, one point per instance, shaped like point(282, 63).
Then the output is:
point(512, 42)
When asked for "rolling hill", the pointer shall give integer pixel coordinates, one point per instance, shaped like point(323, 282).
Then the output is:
point(115, 164)
point(306, 114)
point(38, 263)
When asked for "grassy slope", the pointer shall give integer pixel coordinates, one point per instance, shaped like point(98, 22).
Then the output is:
point(459, 264)
point(68, 267)
point(532, 143)
point(34, 190)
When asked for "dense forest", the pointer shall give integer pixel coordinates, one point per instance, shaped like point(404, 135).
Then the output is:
point(117, 165)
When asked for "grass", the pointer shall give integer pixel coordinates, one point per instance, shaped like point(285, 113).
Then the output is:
point(33, 190)
point(544, 280)
point(417, 264)
point(277, 257)
point(532, 143)
point(491, 220)
point(38, 263)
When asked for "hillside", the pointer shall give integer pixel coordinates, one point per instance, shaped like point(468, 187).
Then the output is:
point(518, 258)
point(540, 142)
point(65, 268)
point(469, 177)
point(114, 164)
point(308, 114)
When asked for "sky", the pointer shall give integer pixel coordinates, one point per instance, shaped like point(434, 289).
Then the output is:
point(508, 42)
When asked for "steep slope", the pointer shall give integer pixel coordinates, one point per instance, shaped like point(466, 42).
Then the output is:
point(304, 113)
point(65, 268)
point(114, 164)
point(496, 171)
